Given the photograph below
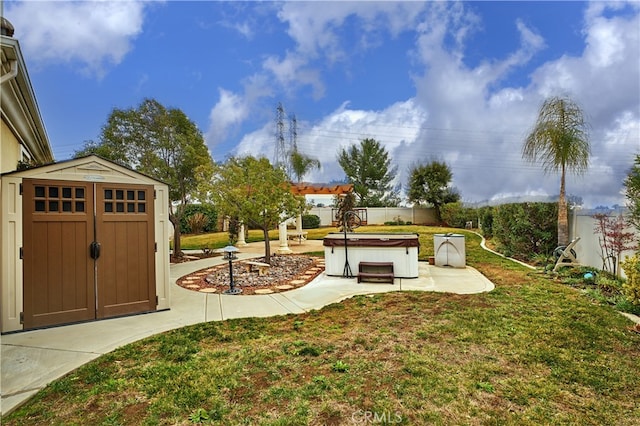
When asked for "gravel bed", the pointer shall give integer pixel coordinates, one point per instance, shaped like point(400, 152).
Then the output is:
point(286, 271)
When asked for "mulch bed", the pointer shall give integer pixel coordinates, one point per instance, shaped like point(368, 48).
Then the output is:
point(285, 273)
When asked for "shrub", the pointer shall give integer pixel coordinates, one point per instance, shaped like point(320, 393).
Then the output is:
point(197, 222)
point(457, 216)
point(486, 221)
point(631, 288)
point(608, 285)
point(209, 212)
point(525, 230)
point(397, 221)
point(310, 221)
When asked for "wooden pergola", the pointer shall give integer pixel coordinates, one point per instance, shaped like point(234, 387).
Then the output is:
point(305, 188)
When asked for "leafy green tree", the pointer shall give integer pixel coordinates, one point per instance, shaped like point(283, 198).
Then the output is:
point(560, 141)
point(257, 193)
point(431, 184)
point(368, 168)
point(301, 164)
point(161, 143)
point(632, 192)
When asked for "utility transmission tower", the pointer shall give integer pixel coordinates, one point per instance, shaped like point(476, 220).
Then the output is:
point(280, 157)
point(293, 132)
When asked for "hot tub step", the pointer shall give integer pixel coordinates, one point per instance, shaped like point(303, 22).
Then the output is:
point(375, 272)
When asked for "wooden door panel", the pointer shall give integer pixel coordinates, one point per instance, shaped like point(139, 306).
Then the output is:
point(62, 283)
point(58, 274)
point(126, 267)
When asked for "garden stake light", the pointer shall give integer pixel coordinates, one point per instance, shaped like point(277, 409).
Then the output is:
point(229, 254)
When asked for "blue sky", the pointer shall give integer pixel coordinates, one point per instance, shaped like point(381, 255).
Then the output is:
point(460, 82)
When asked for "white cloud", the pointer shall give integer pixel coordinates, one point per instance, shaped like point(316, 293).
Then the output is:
point(230, 110)
point(470, 116)
point(292, 72)
point(316, 26)
point(483, 125)
point(316, 29)
point(245, 29)
point(95, 35)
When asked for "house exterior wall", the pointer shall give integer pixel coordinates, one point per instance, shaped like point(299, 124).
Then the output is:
point(10, 152)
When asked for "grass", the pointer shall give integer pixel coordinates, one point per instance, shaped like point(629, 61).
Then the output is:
point(221, 239)
point(531, 352)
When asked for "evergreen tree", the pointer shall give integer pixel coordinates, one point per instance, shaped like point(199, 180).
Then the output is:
point(368, 167)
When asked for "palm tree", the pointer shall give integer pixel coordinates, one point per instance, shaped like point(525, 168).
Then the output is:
point(301, 164)
point(560, 141)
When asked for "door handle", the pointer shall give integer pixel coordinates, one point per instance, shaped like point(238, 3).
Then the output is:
point(94, 250)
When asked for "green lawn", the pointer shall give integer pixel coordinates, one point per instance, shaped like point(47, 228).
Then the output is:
point(531, 352)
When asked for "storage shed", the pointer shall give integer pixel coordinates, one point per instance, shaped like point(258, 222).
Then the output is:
point(82, 240)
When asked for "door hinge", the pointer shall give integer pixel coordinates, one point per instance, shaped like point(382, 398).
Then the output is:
point(156, 300)
point(21, 253)
point(20, 189)
point(154, 194)
point(21, 317)
point(155, 247)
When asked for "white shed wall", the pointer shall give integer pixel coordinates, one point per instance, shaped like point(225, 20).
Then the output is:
point(11, 236)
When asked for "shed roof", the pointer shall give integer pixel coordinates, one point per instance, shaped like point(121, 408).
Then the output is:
point(91, 168)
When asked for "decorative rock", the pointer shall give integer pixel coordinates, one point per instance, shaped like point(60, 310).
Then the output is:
point(209, 290)
point(264, 291)
point(298, 282)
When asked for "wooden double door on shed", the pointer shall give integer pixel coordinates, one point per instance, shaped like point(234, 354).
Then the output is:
point(88, 251)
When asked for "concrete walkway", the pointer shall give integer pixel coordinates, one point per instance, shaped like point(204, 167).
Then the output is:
point(32, 359)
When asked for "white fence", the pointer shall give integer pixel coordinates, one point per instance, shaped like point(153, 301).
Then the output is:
point(380, 215)
point(588, 248)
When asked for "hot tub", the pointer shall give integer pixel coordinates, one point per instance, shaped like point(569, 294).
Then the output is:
point(399, 248)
